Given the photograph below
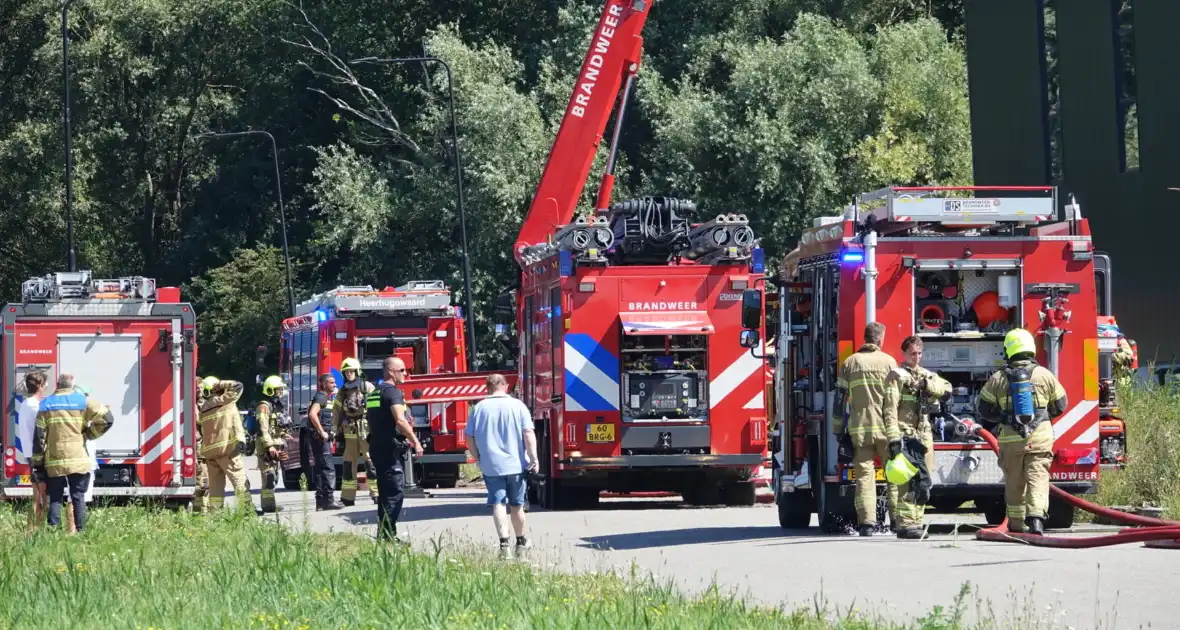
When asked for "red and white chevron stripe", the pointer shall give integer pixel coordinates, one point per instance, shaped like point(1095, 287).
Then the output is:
point(453, 390)
point(1078, 427)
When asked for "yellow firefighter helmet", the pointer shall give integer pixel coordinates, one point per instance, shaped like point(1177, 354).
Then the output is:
point(272, 384)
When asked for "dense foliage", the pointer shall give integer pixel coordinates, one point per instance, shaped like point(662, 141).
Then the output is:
point(780, 109)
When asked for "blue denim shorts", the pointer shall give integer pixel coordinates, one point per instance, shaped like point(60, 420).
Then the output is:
point(506, 488)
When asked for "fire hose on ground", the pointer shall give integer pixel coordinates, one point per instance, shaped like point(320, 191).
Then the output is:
point(1163, 533)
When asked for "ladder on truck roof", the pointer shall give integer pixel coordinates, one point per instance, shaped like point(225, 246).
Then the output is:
point(416, 296)
point(957, 205)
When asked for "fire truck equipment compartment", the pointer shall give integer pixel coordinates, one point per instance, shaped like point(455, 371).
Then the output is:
point(110, 366)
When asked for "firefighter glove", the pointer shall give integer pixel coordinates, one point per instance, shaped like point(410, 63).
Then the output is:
point(894, 449)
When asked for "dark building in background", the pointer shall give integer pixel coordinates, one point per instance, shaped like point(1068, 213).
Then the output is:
point(1103, 70)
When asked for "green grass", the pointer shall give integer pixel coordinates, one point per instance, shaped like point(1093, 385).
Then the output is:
point(1152, 415)
point(136, 567)
point(469, 472)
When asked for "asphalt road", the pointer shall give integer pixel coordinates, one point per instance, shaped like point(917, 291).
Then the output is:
point(745, 551)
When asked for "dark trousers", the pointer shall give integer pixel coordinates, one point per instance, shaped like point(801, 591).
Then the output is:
point(325, 472)
point(391, 482)
point(77, 484)
point(306, 435)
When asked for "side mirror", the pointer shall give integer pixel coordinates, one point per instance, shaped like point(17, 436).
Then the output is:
point(751, 309)
point(502, 332)
point(749, 339)
point(260, 357)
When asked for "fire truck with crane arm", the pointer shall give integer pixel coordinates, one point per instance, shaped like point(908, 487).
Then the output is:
point(415, 322)
point(132, 345)
point(626, 319)
point(958, 267)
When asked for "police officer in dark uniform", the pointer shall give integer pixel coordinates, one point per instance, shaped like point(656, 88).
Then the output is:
point(390, 436)
point(320, 438)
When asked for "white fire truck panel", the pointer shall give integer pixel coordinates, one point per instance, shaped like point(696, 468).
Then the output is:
point(108, 365)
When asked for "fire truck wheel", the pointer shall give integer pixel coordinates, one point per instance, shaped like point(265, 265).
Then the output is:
point(1060, 514)
point(794, 510)
point(739, 493)
point(993, 510)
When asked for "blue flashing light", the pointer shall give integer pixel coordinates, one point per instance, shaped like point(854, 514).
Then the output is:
point(321, 315)
point(853, 257)
point(758, 260)
point(565, 263)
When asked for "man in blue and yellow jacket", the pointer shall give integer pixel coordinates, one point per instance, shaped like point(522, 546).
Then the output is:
point(65, 421)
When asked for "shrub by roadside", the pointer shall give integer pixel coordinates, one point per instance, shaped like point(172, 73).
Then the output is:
point(1152, 473)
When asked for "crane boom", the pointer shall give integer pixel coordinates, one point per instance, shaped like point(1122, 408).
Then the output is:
point(614, 52)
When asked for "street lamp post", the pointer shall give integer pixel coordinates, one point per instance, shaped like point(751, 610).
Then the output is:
point(71, 258)
point(470, 314)
point(278, 192)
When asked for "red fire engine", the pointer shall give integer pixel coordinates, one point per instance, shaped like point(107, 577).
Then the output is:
point(133, 345)
point(415, 322)
point(627, 319)
point(958, 268)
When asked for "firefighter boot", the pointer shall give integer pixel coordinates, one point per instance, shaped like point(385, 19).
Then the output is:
point(866, 530)
point(1035, 525)
point(909, 533)
point(269, 479)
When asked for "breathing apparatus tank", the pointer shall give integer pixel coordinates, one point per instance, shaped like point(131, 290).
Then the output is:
point(1020, 392)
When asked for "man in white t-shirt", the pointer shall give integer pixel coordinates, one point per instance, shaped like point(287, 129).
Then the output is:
point(33, 390)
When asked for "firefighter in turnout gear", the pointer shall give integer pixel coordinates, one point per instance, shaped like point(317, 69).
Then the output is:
point(221, 435)
point(348, 413)
point(201, 492)
point(861, 383)
point(908, 391)
point(66, 421)
point(1021, 399)
point(274, 426)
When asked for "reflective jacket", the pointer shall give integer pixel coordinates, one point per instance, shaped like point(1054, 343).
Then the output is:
point(65, 421)
point(221, 422)
point(906, 389)
point(340, 418)
point(1049, 401)
point(1123, 357)
point(271, 434)
point(863, 377)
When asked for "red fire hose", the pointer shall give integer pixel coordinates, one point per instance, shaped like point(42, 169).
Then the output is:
point(1165, 532)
